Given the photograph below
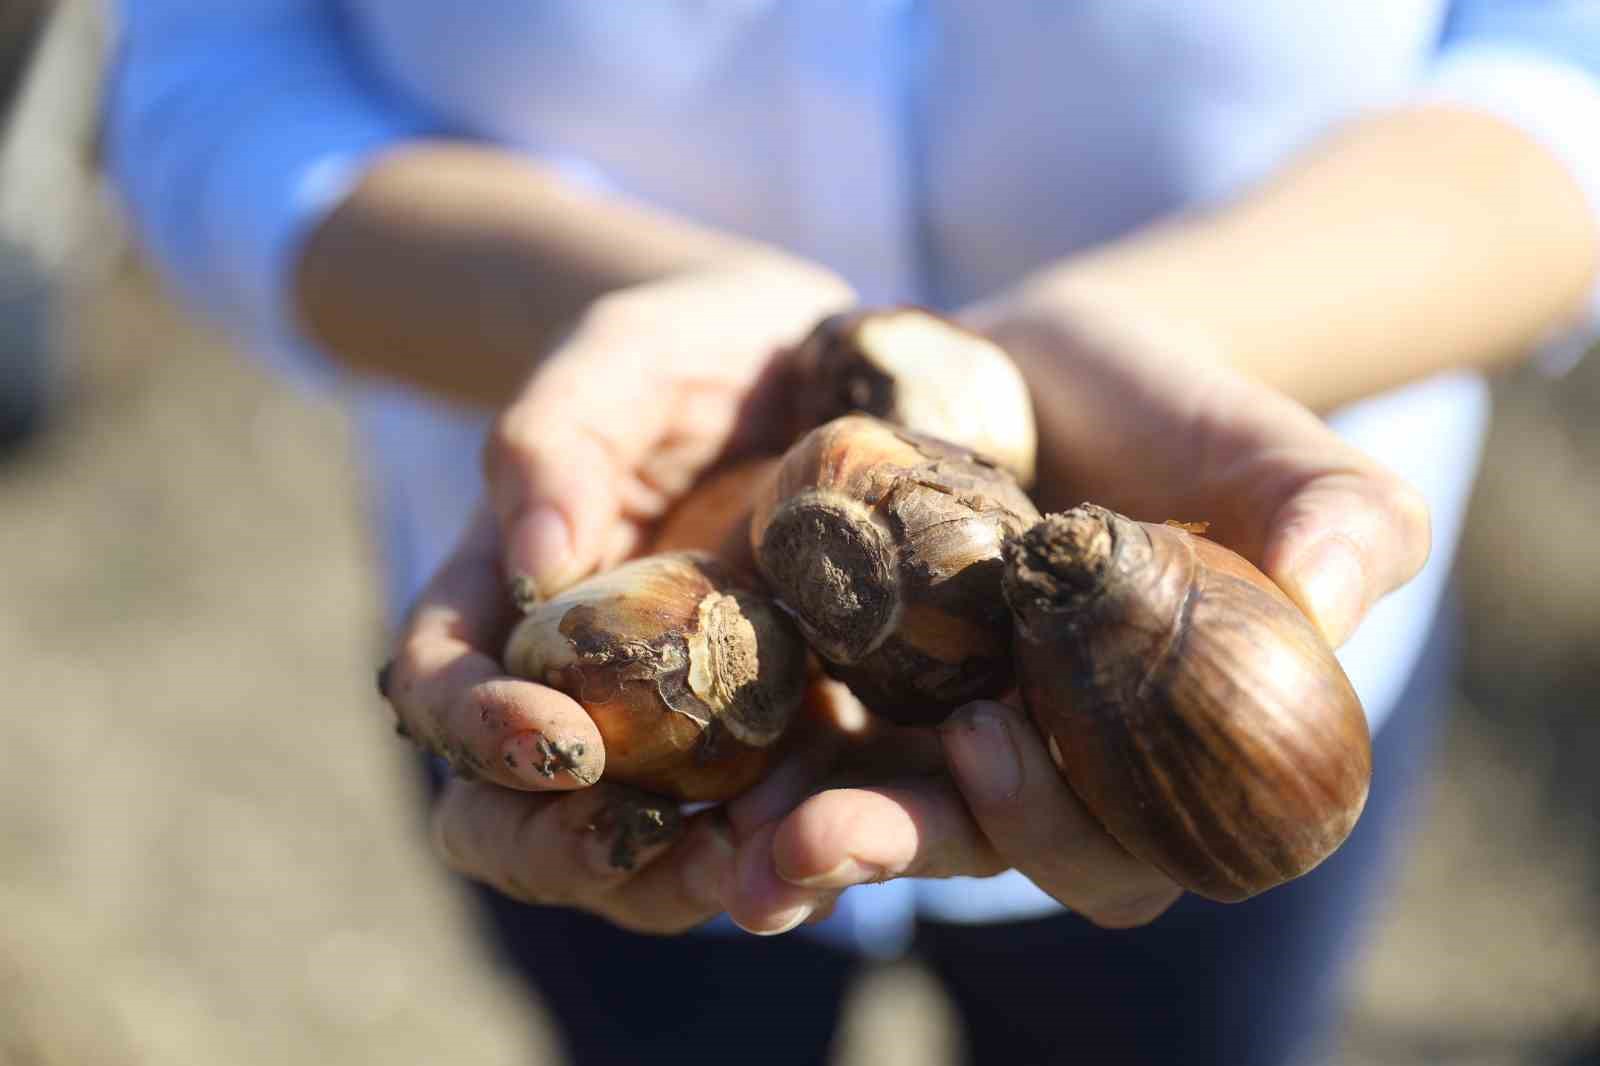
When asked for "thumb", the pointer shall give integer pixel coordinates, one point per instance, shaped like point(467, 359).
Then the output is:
point(1332, 527)
point(1343, 540)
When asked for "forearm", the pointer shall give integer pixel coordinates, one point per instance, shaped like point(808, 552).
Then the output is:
point(1408, 244)
point(450, 267)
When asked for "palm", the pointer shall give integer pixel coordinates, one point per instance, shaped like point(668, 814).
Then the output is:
point(655, 385)
point(1135, 422)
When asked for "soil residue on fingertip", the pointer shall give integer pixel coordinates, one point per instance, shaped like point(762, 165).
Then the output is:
point(557, 756)
point(637, 822)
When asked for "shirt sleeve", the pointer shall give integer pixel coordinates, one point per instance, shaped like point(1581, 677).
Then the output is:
point(1537, 66)
point(231, 130)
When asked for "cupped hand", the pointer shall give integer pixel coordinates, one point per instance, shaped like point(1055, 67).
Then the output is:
point(522, 811)
point(655, 384)
point(1139, 416)
point(1133, 416)
point(651, 386)
point(518, 811)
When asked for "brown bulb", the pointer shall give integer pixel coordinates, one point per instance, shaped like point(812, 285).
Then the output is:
point(690, 677)
point(714, 516)
point(922, 371)
point(1188, 702)
point(885, 546)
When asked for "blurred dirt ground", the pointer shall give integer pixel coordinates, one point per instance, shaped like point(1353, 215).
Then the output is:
point(211, 847)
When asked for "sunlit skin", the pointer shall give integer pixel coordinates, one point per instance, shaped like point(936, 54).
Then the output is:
point(1174, 374)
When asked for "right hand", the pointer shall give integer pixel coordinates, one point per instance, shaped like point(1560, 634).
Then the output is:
point(654, 384)
point(522, 812)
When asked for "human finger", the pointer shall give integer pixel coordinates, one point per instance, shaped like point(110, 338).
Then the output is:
point(914, 828)
point(570, 849)
point(682, 888)
point(451, 695)
point(1342, 541)
point(791, 871)
point(559, 464)
point(1036, 823)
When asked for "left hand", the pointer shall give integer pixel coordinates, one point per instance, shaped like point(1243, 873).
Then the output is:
point(1130, 419)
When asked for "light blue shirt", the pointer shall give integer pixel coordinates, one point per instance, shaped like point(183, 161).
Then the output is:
point(929, 150)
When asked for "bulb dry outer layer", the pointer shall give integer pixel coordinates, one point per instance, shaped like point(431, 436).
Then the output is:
point(885, 545)
point(1188, 702)
point(922, 371)
point(715, 514)
point(690, 677)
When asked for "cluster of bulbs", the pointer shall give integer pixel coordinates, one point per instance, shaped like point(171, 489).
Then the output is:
point(1190, 705)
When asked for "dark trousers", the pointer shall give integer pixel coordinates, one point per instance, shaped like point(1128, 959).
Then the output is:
point(1260, 982)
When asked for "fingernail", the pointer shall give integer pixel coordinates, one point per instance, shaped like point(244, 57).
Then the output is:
point(983, 755)
point(1332, 588)
point(847, 873)
point(547, 762)
point(783, 921)
point(708, 868)
point(539, 553)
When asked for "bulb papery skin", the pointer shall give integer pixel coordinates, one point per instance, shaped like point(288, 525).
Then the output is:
point(690, 676)
point(1189, 703)
point(714, 516)
point(924, 372)
point(885, 546)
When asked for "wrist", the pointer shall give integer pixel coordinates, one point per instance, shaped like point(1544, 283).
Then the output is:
point(493, 258)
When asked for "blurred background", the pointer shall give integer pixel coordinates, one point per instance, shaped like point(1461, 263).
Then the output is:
point(211, 847)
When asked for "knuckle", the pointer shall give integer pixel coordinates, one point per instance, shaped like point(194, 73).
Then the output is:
point(506, 440)
point(520, 874)
point(386, 689)
point(403, 673)
point(610, 332)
